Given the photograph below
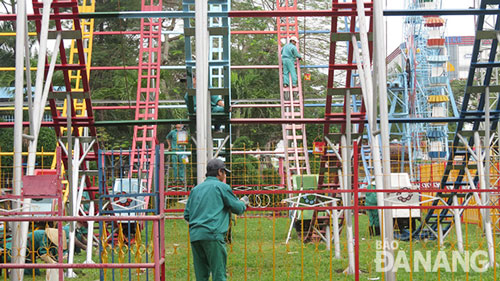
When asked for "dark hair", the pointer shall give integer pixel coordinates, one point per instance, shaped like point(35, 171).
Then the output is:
point(213, 173)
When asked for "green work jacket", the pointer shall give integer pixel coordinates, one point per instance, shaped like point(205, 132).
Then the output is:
point(213, 101)
point(172, 136)
point(208, 210)
point(289, 51)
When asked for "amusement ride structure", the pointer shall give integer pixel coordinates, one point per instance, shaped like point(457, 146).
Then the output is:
point(130, 189)
point(422, 90)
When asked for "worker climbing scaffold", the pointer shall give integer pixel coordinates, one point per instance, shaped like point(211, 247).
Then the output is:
point(289, 56)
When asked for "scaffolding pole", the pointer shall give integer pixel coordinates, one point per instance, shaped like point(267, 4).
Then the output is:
point(203, 111)
point(18, 241)
point(379, 69)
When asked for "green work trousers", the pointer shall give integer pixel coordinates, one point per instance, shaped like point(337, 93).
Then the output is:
point(178, 167)
point(289, 67)
point(209, 256)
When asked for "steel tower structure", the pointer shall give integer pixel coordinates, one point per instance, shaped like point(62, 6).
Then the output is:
point(219, 72)
point(423, 88)
point(471, 154)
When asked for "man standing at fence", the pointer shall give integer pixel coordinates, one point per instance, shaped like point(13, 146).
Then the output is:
point(208, 213)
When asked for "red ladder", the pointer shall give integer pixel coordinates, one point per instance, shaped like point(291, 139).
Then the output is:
point(148, 90)
point(292, 101)
point(342, 29)
point(79, 120)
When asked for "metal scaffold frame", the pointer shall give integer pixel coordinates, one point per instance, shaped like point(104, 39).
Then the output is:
point(79, 121)
point(363, 90)
point(473, 161)
point(148, 91)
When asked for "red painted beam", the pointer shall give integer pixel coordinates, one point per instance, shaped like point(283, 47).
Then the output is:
point(114, 68)
point(296, 13)
point(67, 4)
point(232, 32)
point(25, 124)
point(254, 32)
point(62, 16)
point(116, 32)
point(113, 107)
point(76, 265)
point(338, 120)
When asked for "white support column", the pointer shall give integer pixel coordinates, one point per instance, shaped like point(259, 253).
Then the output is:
point(328, 236)
point(73, 194)
point(347, 203)
point(203, 111)
point(458, 225)
point(381, 168)
point(41, 93)
point(440, 235)
point(90, 236)
point(379, 67)
point(19, 240)
point(336, 231)
point(485, 196)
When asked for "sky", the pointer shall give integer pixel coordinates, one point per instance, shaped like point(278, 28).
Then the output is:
point(455, 25)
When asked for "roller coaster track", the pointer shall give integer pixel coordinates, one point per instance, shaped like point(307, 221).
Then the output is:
point(438, 223)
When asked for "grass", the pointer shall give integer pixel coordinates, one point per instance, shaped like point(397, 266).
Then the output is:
point(259, 252)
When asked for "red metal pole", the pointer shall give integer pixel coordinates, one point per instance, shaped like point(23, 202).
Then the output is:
point(156, 247)
point(162, 210)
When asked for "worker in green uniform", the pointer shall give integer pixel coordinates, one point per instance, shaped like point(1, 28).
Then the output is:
point(371, 200)
point(216, 101)
point(44, 243)
point(289, 54)
point(208, 213)
point(173, 145)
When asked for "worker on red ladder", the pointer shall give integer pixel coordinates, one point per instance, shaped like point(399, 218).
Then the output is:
point(289, 54)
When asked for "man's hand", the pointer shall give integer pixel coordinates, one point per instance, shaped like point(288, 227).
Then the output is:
point(245, 200)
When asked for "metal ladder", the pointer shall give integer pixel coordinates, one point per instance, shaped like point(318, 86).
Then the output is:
point(438, 223)
point(78, 106)
point(148, 90)
point(219, 70)
point(330, 163)
point(75, 77)
point(76, 80)
point(292, 101)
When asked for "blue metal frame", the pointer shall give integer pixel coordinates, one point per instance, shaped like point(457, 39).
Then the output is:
point(219, 61)
point(432, 219)
point(113, 166)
